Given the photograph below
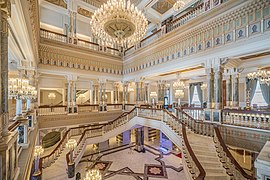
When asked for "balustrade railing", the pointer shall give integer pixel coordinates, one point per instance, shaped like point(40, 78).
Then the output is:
point(47, 34)
point(111, 107)
point(90, 133)
point(178, 22)
point(195, 112)
point(53, 36)
point(191, 162)
point(51, 110)
point(197, 126)
point(247, 118)
point(193, 13)
point(128, 107)
point(211, 129)
point(151, 113)
point(229, 163)
point(88, 108)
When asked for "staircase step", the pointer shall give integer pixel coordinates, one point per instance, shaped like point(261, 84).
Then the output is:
point(203, 158)
point(216, 176)
point(216, 169)
point(204, 152)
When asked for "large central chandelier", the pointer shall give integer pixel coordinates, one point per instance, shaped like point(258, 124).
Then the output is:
point(118, 23)
point(262, 75)
point(179, 85)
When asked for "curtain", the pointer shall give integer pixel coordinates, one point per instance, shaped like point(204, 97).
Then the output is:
point(200, 94)
point(191, 92)
point(251, 86)
point(266, 92)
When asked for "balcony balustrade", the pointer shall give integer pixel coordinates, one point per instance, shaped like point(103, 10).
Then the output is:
point(54, 36)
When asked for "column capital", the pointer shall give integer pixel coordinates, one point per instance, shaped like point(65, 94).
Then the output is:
point(5, 6)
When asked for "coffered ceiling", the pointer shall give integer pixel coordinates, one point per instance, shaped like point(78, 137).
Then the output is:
point(163, 6)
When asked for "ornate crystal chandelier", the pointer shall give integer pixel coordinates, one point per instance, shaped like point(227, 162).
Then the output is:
point(262, 75)
point(179, 93)
point(93, 174)
point(20, 88)
point(178, 5)
point(179, 85)
point(118, 23)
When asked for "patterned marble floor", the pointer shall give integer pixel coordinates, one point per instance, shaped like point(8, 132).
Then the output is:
point(127, 164)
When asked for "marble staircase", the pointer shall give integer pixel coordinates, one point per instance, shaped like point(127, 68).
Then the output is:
point(57, 170)
point(205, 150)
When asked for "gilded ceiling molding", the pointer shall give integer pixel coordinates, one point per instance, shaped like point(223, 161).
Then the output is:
point(60, 3)
point(84, 12)
point(33, 11)
point(255, 16)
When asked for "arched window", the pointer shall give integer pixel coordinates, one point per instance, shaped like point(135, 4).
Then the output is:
point(258, 97)
point(195, 99)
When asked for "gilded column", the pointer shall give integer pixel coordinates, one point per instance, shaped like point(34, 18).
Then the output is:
point(210, 88)
point(137, 92)
point(146, 93)
point(228, 78)
point(235, 87)
point(95, 94)
point(4, 73)
point(116, 92)
point(69, 96)
point(125, 92)
point(218, 87)
point(100, 96)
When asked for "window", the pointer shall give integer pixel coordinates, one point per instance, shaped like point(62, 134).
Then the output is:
point(258, 97)
point(195, 99)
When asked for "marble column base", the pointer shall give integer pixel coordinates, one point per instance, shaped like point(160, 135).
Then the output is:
point(210, 105)
point(37, 176)
point(71, 171)
point(5, 119)
point(24, 145)
point(228, 103)
point(235, 104)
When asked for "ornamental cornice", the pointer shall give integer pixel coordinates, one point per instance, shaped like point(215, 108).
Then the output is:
point(63, 59)
point(34, 20)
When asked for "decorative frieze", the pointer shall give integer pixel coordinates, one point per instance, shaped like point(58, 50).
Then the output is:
point(61, 58)
point(251, 19)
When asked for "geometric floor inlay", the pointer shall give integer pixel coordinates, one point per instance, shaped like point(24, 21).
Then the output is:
point(134, 165)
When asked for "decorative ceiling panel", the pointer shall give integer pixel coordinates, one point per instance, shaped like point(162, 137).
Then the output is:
point(163, 6)
point(84, 12)
point(98, 3)
point(58, 3)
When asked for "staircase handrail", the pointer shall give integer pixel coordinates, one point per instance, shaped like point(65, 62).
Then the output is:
point(202, 173)
point(229, 155)
point(223, 145)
